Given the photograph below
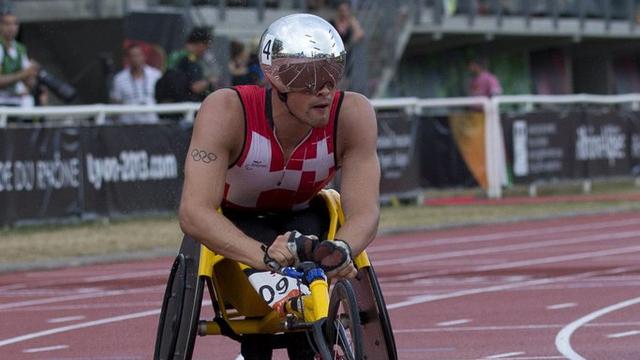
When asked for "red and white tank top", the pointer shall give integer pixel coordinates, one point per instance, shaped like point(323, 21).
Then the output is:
point(260, 179)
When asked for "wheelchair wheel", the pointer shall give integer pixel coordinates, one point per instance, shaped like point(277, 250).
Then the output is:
point(181, 305)
point(379, 342)
point(343, 329)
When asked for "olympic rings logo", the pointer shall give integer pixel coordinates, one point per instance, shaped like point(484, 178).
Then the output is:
point(205, 157)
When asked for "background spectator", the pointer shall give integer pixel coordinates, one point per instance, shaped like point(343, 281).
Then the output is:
point(349, 29)
point(483, 82)
point(238, 64)
point(135, 85)
point(187, 66)
point(17, 73)
point(255, 72)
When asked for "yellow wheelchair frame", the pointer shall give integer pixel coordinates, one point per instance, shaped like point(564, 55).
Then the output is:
point(241, 310)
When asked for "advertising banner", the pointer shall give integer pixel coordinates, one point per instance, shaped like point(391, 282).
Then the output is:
point(441, 162)
point(133, 168)
point(467, 129)
point(398, 153)
point(61, 172)
point(540, 145)
point(41, 173)
point(633, 119)
point(601, 145)
point(574, 144)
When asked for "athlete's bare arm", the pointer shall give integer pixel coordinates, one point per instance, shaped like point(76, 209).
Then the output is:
point(217, 139)
point(360, 178)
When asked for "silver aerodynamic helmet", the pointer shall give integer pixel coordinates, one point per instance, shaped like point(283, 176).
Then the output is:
point(302, 52)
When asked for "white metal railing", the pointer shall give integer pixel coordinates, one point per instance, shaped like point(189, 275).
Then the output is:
point(496, 167)
point(494, 141)
point(412, 105)
point(98, 111)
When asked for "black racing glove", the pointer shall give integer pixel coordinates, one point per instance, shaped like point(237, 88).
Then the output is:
point(332, 256)
point(302, 246)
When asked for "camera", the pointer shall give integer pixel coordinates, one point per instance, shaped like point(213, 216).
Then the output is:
point(61, 89)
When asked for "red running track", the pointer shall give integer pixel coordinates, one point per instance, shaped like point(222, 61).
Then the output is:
point(567, 288)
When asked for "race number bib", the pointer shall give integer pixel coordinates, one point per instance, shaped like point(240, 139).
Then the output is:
point(274, 288)
point(267, 46)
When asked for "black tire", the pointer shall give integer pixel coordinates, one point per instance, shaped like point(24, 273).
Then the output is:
point(343, 329)
point(378, 333)
point(178, 324)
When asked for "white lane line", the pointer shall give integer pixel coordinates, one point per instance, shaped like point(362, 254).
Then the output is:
point(109, 320)
point(76, 297)
point(129, 275)
point(38, 334)
point(515, 264)
point(505, 355)
point(506, 248)
point(12, 287)
point(499, 235)
point(561, 306)
point(424, 350)
point(535, 358)
point(560, 258)
point(563, 338)
point(507, 327)
point(48, 348)
point(67, 278)
point(454, 322)
point(65, 319)
point(624, 334)
point(429, 298)
point(76, 307)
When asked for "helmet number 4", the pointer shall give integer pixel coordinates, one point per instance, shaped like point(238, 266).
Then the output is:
point(266, 50)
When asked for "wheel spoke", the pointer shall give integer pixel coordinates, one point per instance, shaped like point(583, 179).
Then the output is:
point(343, 338)
point(343, 327)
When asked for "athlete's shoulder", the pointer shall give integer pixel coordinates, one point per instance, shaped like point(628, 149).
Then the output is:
point(223, 100)
point(221, 117)
point(351, 98)
point(356, 105)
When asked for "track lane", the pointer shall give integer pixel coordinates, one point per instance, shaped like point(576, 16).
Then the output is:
point(470, 312)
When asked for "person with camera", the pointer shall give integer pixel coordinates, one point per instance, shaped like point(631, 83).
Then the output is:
point(18, 74)
point(135, 85)
point(189, 75)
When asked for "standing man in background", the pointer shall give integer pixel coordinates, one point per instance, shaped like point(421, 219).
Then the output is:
point(17, 73)
point(483, 83)
point(135, 85)
point(188, 66)
point(350, 31)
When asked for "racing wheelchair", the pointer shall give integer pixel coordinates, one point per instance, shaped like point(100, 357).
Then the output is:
point(348, 322)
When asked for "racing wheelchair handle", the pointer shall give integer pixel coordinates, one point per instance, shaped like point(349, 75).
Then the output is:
point(315, 306)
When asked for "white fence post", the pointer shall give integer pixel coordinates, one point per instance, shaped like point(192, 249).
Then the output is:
point(494, 149)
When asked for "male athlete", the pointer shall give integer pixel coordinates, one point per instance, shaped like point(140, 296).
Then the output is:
point(263, 154)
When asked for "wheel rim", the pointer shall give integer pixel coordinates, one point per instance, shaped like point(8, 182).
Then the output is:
point(342, 343)
point(344, 330)
point(171, 310)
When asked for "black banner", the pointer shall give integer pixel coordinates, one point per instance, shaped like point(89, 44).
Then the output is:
point(576, 144)
point(398, 153)
point(633, 120)
point(441, 163)
point(61, 172)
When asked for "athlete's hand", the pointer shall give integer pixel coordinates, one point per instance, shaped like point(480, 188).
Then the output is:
point(302, 246)
point(279, 251)
point(334, 257)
